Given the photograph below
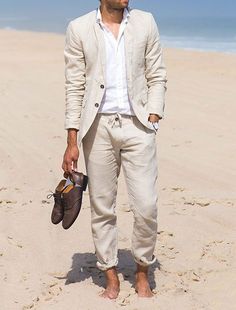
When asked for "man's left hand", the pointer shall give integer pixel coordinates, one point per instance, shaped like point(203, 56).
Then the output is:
point(154, 118)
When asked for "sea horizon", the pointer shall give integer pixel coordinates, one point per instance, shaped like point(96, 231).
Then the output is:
point(216, 34)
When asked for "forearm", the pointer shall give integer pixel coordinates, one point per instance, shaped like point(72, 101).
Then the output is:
point(72, 137)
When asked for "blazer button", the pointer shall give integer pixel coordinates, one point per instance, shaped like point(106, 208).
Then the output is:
point(96, 105)
point(102, 86)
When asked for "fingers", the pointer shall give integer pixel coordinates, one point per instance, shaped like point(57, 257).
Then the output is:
point(64, 166)
point(65, 175)
point(74, 165)
point(70, 160)
point(67, 166)
point(153, 119)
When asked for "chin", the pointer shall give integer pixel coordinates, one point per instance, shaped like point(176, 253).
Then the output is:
point(124, 3)
point(118, 4)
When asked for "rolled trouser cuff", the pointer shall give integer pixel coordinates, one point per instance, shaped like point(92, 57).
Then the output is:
point(145, 262)
point(106, 266)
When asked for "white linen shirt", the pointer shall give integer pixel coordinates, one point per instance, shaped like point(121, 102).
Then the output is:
point(116, 98)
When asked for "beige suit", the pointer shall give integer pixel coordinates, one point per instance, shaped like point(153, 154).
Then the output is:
point(112, 141)
point(85, 69)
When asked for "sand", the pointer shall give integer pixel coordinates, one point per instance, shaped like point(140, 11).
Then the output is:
point(44, 267)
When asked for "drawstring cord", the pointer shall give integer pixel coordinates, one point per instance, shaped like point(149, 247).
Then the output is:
point(115, 118)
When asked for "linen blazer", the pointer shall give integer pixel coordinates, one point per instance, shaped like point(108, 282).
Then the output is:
point(85, 69)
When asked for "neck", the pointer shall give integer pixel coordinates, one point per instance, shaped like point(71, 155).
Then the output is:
point(111, 15)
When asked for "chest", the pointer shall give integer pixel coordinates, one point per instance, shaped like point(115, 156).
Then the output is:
point(114, 29)
point(98, 45)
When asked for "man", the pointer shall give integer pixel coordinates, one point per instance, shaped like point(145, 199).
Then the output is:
point(115, 87)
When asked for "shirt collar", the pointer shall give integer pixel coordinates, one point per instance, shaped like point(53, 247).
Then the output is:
point(126, 16)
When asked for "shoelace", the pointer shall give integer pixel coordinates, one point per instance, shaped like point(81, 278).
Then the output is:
point(59, 195)
point(49, 196)
point(56, 195)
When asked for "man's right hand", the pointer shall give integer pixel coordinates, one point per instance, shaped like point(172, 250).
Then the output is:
point(71, 155)
point(70, 159)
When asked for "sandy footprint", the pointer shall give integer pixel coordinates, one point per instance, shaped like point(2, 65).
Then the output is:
point(50, 290)
point(124, 298)
point(166, 248)
point(7, 202)
point(12, 241)
point(198, 203)
point(218, 250)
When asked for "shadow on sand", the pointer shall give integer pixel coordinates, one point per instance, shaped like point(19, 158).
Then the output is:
point(84, 267)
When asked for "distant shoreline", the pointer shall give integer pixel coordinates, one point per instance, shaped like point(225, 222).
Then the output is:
point(172, 42)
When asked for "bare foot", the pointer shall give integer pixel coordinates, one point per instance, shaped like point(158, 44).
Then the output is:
point(142, 286)
point(113, 284)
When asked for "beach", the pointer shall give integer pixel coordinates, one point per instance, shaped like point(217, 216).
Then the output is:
point(44, 267)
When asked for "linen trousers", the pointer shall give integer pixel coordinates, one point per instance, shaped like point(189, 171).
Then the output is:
point(113, 141)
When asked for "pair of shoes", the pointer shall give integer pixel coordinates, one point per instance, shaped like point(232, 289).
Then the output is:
point(68, 199)
point(72, 198)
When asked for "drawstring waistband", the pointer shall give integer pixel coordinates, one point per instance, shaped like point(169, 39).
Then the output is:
point(115, 118)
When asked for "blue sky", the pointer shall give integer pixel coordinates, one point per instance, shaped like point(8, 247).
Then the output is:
point(72, 8)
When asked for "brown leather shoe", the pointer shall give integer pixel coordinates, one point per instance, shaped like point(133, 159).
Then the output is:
point(72, 198)
point(58, 209)
point(78, 179)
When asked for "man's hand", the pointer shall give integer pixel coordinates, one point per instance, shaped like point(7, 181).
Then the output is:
point(154, 118)
point(70, 159)
point(71, 155)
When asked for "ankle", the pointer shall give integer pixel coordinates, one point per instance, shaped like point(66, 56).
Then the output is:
point(111, 275)
point(142, 270)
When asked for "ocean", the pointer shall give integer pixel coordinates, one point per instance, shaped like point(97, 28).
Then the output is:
point(198, 33)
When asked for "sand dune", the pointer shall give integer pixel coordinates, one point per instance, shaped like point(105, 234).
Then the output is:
point(44, 267)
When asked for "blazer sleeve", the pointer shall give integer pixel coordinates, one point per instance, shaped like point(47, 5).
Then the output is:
point(155, 71)
point(74, 78)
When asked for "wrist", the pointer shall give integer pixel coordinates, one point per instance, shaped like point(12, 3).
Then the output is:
point(71, 144)
point(72, 138)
